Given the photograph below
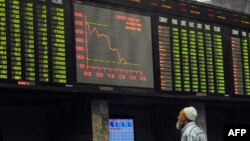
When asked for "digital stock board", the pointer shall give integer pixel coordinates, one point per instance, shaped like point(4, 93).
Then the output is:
point(164, 46)
point(190, 55)
point(240, 45)
point(33, 43)
point(113, 47)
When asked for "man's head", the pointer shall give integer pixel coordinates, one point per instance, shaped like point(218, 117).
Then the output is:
point(186, 115)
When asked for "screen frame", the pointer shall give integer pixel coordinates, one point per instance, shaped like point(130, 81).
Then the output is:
point(124, 117)
point(110, 88)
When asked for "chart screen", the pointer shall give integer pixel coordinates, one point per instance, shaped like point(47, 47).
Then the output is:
point(113, 47)
point(121, 130)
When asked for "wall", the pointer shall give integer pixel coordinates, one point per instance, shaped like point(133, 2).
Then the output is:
point(70, 119)
point(36, 118)
point(221, 113)
point(23, 123)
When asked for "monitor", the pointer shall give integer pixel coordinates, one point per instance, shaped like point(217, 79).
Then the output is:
point(113, 47)
point(121, 129)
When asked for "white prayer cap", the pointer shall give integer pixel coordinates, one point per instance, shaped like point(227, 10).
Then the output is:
point(191, 113)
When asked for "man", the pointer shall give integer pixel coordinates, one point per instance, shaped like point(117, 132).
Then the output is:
point(186, 123)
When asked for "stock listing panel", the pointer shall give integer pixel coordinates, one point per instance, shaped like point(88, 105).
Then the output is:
point(32, 43)
point(113, 47)
point(240, 45)
point(195, 48)
point(191, 56)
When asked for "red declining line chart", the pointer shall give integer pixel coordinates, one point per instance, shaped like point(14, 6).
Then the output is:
point(89, 33)
point(112, 47)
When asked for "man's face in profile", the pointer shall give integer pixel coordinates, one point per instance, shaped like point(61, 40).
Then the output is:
point(181, 120)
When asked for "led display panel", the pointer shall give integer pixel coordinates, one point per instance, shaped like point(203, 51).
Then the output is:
point(32, 43)
point(121, 129)
point(113, 47)
point(191, 56)
point(240, 61)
